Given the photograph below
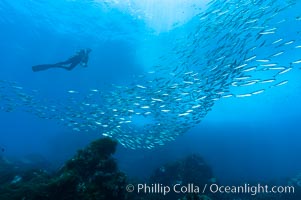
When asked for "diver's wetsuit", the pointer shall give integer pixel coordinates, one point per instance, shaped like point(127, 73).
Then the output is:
point(81, 57)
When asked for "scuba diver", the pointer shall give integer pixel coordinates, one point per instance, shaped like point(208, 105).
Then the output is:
point(81, 57)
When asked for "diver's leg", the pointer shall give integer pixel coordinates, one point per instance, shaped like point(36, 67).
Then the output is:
point(56, 65)
point(37, 68)
point(62, 64)
point(71, 66)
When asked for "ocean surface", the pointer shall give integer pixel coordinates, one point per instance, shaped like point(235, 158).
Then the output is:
point(187, 51)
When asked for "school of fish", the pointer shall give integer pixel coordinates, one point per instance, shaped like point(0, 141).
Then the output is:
point(236, 49)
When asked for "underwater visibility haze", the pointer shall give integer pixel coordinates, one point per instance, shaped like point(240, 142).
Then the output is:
point(165, 79)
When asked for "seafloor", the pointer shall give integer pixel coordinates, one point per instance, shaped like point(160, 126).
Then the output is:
point(93, 174)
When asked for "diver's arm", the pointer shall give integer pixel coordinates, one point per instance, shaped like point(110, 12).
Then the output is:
point(84, 61)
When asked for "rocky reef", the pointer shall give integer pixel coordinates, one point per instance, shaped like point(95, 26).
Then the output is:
point(192, 169)
point(91, 174)
point(187, 173)
point(296, 183)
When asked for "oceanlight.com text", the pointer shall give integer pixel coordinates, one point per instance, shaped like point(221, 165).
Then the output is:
point(251, 189)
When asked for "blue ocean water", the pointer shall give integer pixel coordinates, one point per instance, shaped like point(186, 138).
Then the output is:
point(243, 139)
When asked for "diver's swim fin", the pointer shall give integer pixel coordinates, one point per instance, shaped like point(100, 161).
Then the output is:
point(37, 68)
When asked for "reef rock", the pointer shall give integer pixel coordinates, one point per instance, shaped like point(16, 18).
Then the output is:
point(91, 174)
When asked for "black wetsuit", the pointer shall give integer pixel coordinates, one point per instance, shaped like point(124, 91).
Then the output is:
point(81, 57)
